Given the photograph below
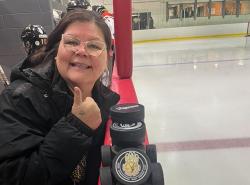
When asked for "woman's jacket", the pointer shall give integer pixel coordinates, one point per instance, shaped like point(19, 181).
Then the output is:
point(41, 142)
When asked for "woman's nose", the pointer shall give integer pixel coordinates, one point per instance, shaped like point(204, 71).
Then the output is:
point(81, 50)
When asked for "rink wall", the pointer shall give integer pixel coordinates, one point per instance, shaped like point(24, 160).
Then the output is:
point(15, 15)
point(192, 32)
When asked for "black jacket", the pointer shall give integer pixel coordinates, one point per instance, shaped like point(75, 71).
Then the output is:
point(41, 142)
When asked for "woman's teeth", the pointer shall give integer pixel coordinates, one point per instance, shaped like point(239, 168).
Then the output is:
point(82, 66)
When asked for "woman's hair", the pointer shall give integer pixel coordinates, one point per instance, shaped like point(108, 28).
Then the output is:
point(55, 36)
point(80, 15)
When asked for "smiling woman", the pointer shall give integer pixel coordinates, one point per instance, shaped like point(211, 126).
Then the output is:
point(79, 65)
point(53, 113)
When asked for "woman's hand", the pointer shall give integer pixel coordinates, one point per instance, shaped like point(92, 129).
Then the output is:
point(86, 110)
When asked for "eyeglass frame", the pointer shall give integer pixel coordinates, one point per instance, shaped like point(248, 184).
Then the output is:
point(74, 48)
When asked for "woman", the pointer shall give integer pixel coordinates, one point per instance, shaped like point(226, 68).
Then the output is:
point(53, 114)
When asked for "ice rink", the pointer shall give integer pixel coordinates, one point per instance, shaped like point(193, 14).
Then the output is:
point(196, 95)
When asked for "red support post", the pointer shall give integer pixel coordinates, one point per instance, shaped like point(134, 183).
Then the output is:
point(122, 10)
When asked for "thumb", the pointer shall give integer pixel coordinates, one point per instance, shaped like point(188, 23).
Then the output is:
point(77, 96)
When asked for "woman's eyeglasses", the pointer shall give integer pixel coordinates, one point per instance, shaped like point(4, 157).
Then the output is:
point(92, 47)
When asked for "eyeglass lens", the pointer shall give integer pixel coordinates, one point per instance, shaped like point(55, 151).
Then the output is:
point(93, 47)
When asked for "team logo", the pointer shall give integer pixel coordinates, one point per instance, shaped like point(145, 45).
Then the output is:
point(131, 166)
point(128, 126)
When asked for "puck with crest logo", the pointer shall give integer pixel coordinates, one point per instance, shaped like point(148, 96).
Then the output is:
point(131, 166)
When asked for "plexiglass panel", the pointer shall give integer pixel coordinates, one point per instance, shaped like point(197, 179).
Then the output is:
point(245, 7)
point(230, 7)
point(216, 9)
point(151, 14)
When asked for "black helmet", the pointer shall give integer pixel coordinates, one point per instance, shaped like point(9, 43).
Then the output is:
point(33, 37)
point(99, 8)
point(73, 4)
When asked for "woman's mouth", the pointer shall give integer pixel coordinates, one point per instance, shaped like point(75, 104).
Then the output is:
point(80, 65)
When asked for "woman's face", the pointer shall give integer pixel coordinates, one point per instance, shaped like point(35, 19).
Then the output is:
point(75, 62)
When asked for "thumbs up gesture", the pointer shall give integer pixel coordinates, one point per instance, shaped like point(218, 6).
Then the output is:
point(86, 110)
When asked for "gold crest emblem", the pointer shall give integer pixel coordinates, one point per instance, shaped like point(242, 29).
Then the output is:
point(131, 167)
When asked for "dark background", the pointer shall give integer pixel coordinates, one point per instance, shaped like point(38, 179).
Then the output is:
point(15, 15)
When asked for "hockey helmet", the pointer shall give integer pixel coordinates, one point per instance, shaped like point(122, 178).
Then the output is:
point(33, 37)
point(73, 4)
point(99, 9)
